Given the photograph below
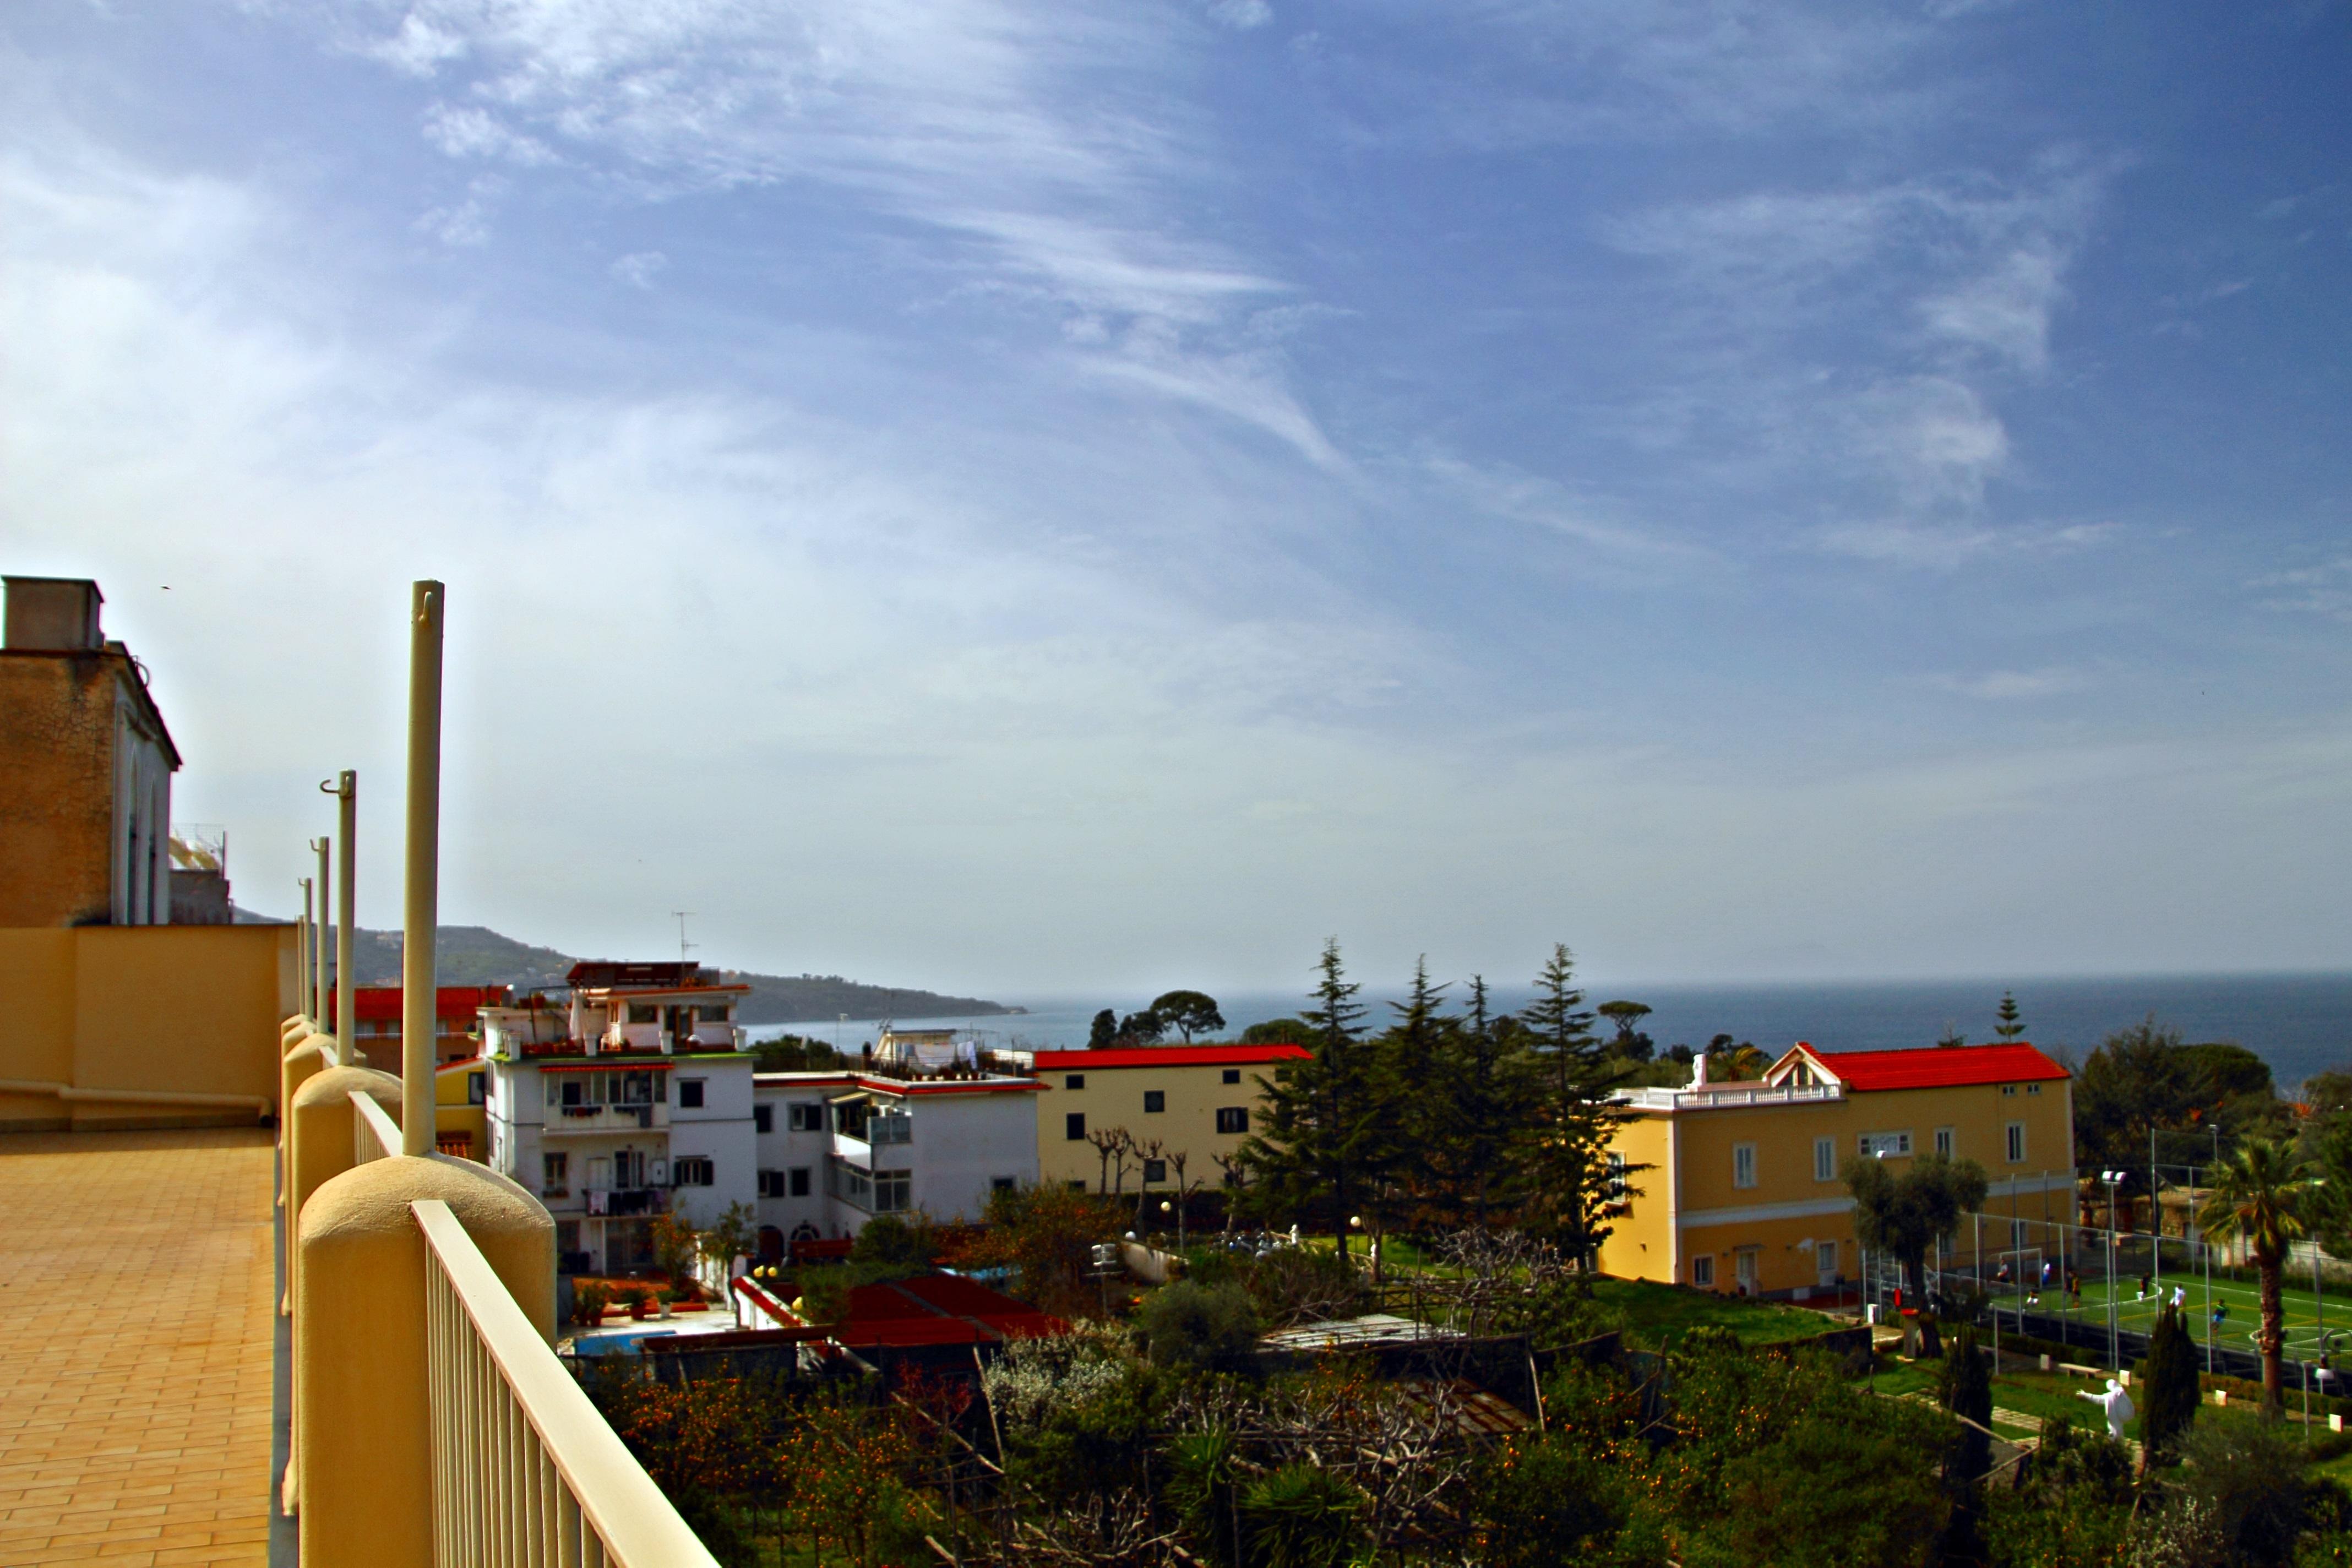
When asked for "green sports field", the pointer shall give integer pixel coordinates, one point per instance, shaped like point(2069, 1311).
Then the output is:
point(2310, 1319)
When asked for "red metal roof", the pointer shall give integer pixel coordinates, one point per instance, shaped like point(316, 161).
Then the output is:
point(1930, 1067)
point(1169, 1057)
point(383, 1002)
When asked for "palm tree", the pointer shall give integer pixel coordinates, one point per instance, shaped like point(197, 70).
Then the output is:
point(2261, 1194)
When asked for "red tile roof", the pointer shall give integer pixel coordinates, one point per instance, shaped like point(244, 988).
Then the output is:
point(1930, 1067)
point(1169, 1057)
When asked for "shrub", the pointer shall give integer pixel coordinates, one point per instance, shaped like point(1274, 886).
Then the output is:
point(1189, 1324)
point(1301, 1517)
point(897, 1246)
point(589, 1299)
point(2169, 1388)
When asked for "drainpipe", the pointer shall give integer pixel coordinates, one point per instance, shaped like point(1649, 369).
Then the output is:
point(318, 947)
point(421, 898)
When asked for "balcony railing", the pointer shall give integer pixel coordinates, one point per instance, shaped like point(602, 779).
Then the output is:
point(604, 1119)
point(525, 1470)
point(1723, 1096)
point(617, 1202)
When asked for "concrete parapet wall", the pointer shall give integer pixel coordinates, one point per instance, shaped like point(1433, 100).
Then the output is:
point(111, 1013)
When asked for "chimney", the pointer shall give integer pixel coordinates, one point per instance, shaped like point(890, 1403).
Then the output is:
point(54, 615)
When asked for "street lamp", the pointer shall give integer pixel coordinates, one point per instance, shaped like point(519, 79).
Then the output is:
point(2114, 1180)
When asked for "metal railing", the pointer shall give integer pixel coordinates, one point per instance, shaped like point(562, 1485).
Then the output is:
point(374, 1134)
point(525, 1470)
point(1727, 1095)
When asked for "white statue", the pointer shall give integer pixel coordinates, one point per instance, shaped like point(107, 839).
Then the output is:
point(2117, 1403)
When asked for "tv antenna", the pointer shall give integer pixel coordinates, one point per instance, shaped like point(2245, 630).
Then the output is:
point(684, 946)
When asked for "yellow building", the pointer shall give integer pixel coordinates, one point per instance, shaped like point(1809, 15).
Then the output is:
point(460, 1123)
point(1744, 1190)
point(1196, 1102)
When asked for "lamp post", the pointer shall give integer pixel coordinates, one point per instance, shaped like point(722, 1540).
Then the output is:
point(2113, 1181)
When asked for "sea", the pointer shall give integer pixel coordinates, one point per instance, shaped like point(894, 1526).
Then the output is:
point(2299, 1023)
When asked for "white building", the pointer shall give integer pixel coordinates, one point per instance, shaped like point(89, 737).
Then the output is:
point(836, 1149)
point(641, 1105)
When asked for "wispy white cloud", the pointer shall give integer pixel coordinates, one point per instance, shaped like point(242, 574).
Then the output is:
point(639, 269)
point(1947, 545)
point(2325, 589)
point(1240, 15)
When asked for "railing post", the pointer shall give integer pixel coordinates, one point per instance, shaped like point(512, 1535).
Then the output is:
point(347, 821)
point(318, 947)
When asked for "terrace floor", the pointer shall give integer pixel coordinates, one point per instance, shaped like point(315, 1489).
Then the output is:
point(138, 1283)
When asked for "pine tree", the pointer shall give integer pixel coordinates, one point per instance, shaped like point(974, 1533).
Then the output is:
point(1568, 1167)
point(1105, 1031)
point(1318, 1128)
point(2012, 1023)
point(1475, 1112)
point(1407, 1064)
point(2169, 1397)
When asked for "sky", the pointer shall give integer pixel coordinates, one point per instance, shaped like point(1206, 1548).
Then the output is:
point(1028, 498)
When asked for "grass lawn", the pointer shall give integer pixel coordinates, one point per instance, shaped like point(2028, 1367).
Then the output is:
point(1656, 1316)
point(2307, 1315)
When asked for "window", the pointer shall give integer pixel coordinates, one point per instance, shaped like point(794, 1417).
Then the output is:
point(1232, 1075)
point(711, 1014)
point(689, 1094)
point(890, 1127)
point(1885, 1145)
point(1232, 1119)
point(1743, 1164)
point(1703, 1271)
point(1825, 1262)
point(691, 1170)
point(1002, 1184)
point(1616, 1174)
point(477, 1090)
point(1825, 1159)
point(893, 1191)
point(850, 1182)
point(1075, 1080)
point(763, 1119)
point(1073, 1126)
point(555, 1175)
point(2034, 1089)
point(1154, 1172)
point(1946, 1138)
point(796, 1182)
point(1155, 1100)
point(643, 1013)
point(2016, 1143)
point(1077, 1187)
point(771, 1183)
point(804, 1117)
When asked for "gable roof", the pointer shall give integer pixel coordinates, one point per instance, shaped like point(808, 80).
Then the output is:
point(1926, 1066)
point(1169, 1056)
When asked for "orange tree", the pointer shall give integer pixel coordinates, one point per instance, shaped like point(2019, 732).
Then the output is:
point(1046, 1236)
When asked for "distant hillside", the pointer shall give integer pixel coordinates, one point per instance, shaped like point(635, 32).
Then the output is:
point(477, 955)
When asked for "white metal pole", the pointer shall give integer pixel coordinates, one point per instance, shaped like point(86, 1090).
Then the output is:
point(319, 948)
point(307, 1001)
point(347, 1028)
point(421, 898)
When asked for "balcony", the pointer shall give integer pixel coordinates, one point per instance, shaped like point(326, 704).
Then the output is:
point(1727, 1096)
point(568, 1119)
point(617, 1203)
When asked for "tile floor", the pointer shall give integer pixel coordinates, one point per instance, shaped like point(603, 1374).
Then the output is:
point(136, 1280)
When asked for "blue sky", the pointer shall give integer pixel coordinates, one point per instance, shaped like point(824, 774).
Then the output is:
point(1036, 498)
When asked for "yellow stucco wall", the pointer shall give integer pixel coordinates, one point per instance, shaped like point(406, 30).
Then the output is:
point(1786, 1204)
point(1113, 1097)
point(453, 1111)
point(177, 1009)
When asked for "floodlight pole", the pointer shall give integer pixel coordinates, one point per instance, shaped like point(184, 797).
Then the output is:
point(420, 898)
point(2155, 1214)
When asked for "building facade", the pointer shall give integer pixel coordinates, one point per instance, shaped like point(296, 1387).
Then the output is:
point(1739, 1187)
point(836, 1149)
point(1182, 1107)
point(86, 766)
point(458, 1014)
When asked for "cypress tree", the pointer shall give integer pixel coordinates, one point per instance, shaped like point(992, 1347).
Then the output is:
point(2170, 1391)
point(1476, 1111)
point(1319, 1134)
point(1969, 1394)
point(1568, 1163)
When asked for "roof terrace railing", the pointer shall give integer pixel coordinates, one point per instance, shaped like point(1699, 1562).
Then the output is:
point(525, 1470)
point(374, 1134)
point(1721, 1097)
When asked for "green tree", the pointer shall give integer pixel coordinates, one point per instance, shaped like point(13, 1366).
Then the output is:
point(1906, 1215)
point(1630, 1044)
point(1280, 1032)
point(1967, 1393)
point(1319, 1132)
point(1189, 1013)
point(736, 1234)
point(2137, 1082)
point(1473, 1116)
point(1143, 1029)
point(1105, 1032)
point(2012, 1023)
point(1568, 1144)
point(1203, 1326)
point(2168, 1387)
point(2257, 1197)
